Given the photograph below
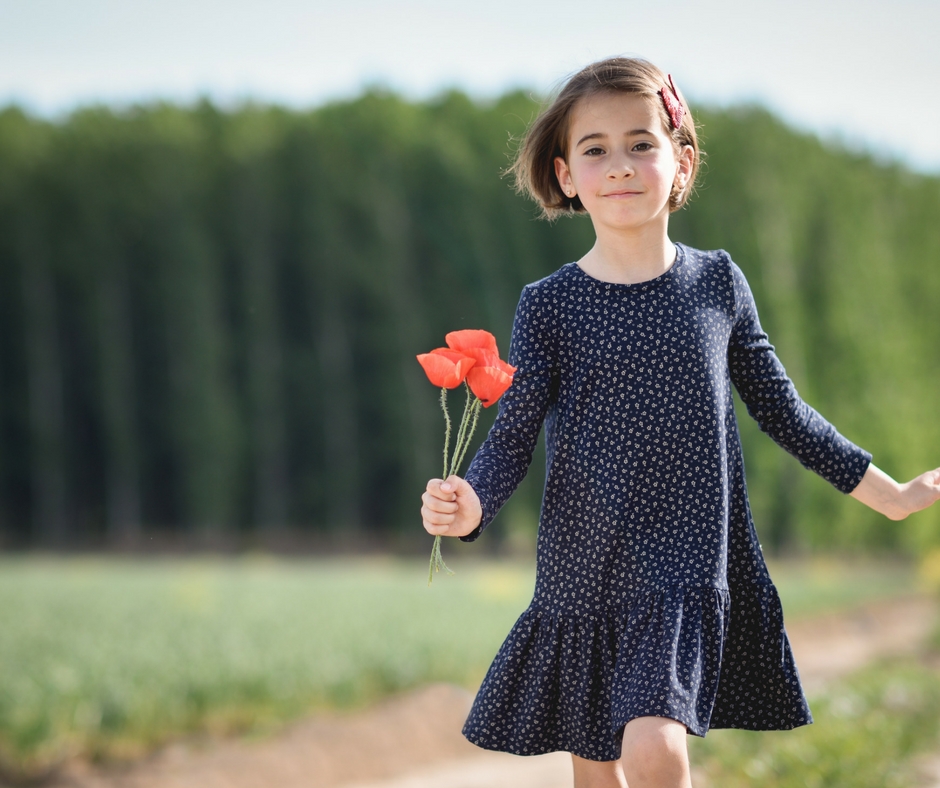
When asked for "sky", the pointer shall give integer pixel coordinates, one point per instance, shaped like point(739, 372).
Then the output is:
point(861, 72)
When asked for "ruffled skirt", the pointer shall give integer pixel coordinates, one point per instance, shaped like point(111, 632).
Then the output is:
point(707, 657)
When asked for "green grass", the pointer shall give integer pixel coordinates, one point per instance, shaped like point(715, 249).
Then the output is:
point(867, 733)
point(825, 584)
point(108, 657)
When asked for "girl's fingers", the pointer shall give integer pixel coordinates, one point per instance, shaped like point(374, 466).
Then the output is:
point(437, 505)
point(446, 494)
point(440, 508)
point(437, 514)
point(436, 518)
point(433, 525)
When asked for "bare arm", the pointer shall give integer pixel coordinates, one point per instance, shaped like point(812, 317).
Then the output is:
point(895, 500)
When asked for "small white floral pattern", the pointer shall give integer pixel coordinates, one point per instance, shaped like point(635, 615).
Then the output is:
point(652, 597)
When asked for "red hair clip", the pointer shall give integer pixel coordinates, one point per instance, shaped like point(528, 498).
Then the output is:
point(672, 103)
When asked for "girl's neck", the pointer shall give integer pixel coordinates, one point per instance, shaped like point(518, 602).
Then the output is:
point(628, 260)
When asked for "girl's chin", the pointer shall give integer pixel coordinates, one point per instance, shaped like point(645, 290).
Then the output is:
point(630, 220)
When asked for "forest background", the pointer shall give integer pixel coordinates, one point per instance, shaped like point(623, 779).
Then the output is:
point(208, 319)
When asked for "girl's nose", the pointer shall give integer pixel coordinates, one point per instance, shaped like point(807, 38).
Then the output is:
point(620, 166)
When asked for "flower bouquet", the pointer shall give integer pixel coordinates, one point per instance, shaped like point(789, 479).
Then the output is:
point(470, 358)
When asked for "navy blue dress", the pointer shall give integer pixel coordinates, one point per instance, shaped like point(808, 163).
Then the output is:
point(652, 597)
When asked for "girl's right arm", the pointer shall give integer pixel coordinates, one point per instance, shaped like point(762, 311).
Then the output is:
point(503, 459)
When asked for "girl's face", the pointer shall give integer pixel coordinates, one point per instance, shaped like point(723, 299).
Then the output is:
point(621, 162)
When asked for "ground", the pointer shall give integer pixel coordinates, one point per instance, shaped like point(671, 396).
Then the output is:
point(414, 741)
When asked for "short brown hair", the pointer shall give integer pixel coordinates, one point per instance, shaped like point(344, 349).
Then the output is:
point(534, 165)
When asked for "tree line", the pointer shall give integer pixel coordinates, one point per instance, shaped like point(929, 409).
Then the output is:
point(209, 319)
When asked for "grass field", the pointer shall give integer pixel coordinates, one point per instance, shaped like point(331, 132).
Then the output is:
point(108, 657)
point(868, 731)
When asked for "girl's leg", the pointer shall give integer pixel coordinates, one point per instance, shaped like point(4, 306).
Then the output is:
point(597, 774)
point(655, 754)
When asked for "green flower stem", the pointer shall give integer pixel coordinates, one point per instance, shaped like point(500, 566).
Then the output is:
point(437, 561)
point(468, 425)
point(446, 428)
point(474, 417)
point(462, 430)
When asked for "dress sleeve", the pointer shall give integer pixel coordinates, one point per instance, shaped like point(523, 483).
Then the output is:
point(503, 459)
point(773, 402)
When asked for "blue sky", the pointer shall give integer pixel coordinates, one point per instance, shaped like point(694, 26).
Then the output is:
point(864, 72)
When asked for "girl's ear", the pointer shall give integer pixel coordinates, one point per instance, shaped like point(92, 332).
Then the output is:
point(564, 176)
point(685, 160)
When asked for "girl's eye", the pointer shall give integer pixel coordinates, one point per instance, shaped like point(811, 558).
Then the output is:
point(593, 152)
point(643, 146)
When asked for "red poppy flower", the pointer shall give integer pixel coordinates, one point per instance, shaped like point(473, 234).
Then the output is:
point(445, 368)
point(471, 339)
point(484, 357)
point(471, 356)
point(479, 345)
point(489, 383)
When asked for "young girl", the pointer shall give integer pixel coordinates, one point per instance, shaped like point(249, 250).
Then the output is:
point(653, 614)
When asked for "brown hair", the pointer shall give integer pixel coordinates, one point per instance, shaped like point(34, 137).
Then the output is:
point(534, 165)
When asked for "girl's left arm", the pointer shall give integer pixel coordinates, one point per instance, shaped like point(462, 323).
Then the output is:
point(774, 403)
point(777, 407)
point(895, 500)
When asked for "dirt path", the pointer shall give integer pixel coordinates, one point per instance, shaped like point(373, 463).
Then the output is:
point(414, 741)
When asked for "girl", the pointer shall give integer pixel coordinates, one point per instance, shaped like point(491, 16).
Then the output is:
point(653, 613)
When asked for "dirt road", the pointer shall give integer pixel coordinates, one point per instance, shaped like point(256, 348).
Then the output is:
point(414, 741)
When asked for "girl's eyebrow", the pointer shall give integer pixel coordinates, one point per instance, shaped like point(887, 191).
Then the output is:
point(594, 135)
point(597, 135)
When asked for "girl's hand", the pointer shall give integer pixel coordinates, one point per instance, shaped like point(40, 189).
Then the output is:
point(451, 507)
point(897, 501)
point(922, 492)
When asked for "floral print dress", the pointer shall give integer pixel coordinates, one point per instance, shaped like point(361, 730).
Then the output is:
point(652, 597)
